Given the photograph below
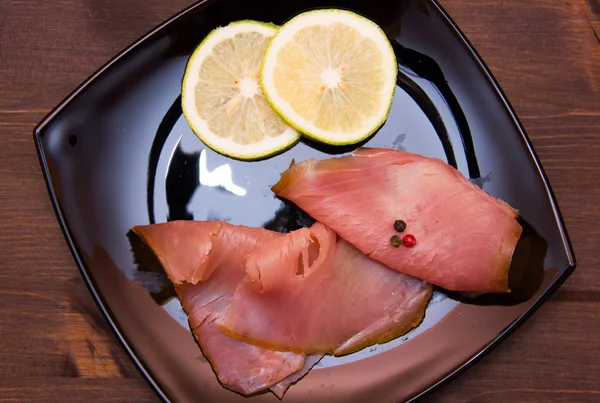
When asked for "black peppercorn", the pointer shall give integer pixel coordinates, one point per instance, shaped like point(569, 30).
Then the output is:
point(399, 225)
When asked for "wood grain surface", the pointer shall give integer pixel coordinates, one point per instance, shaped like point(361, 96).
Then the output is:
point(56, 347)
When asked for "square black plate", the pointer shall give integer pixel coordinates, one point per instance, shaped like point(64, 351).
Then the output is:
point(117, 152)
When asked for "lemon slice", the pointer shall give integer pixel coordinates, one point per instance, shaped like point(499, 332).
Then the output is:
point(331, 74)
point(221, 97)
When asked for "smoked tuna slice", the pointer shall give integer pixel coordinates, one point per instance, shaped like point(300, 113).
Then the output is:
point(205, 261)
point(282, 387)
point(240, 366)
point(465, 237)
point(307, 293)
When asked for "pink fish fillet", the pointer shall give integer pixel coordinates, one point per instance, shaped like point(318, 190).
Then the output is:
point(310, 293)
point(280, 388)
point(465, 238)
point(205, 261)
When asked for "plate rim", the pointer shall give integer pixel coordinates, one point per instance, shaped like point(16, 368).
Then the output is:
point(105, 309)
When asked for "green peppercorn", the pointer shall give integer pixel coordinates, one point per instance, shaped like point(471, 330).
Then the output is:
point(399, 225)
point(396, 241)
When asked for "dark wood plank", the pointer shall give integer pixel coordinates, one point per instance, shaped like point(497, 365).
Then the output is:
point(46, 390)
point(72, 339)
point(55, 344)
point(55, 45)
point(549, 358)
point(32, 243)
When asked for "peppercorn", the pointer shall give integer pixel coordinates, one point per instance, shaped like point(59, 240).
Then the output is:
point(409, 240)
point(396, 241)
point(399, 225)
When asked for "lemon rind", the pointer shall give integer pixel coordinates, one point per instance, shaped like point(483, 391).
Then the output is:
point(309, 130)
point(267, 148)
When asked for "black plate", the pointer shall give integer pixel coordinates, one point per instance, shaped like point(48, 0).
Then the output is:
point(117, 152)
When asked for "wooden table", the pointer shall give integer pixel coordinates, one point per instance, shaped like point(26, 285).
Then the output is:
point(54, 344)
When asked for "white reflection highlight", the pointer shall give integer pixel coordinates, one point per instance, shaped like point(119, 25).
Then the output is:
point(220, 176)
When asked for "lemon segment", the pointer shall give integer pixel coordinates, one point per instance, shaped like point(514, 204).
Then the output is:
point(331, 74)
point(222, 99)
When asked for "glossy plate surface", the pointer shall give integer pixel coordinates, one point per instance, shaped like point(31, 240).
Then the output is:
point(118, 152)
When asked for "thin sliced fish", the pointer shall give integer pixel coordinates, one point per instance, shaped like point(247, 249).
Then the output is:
point(309, 292)
point(205, 261)
point(465, 238)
